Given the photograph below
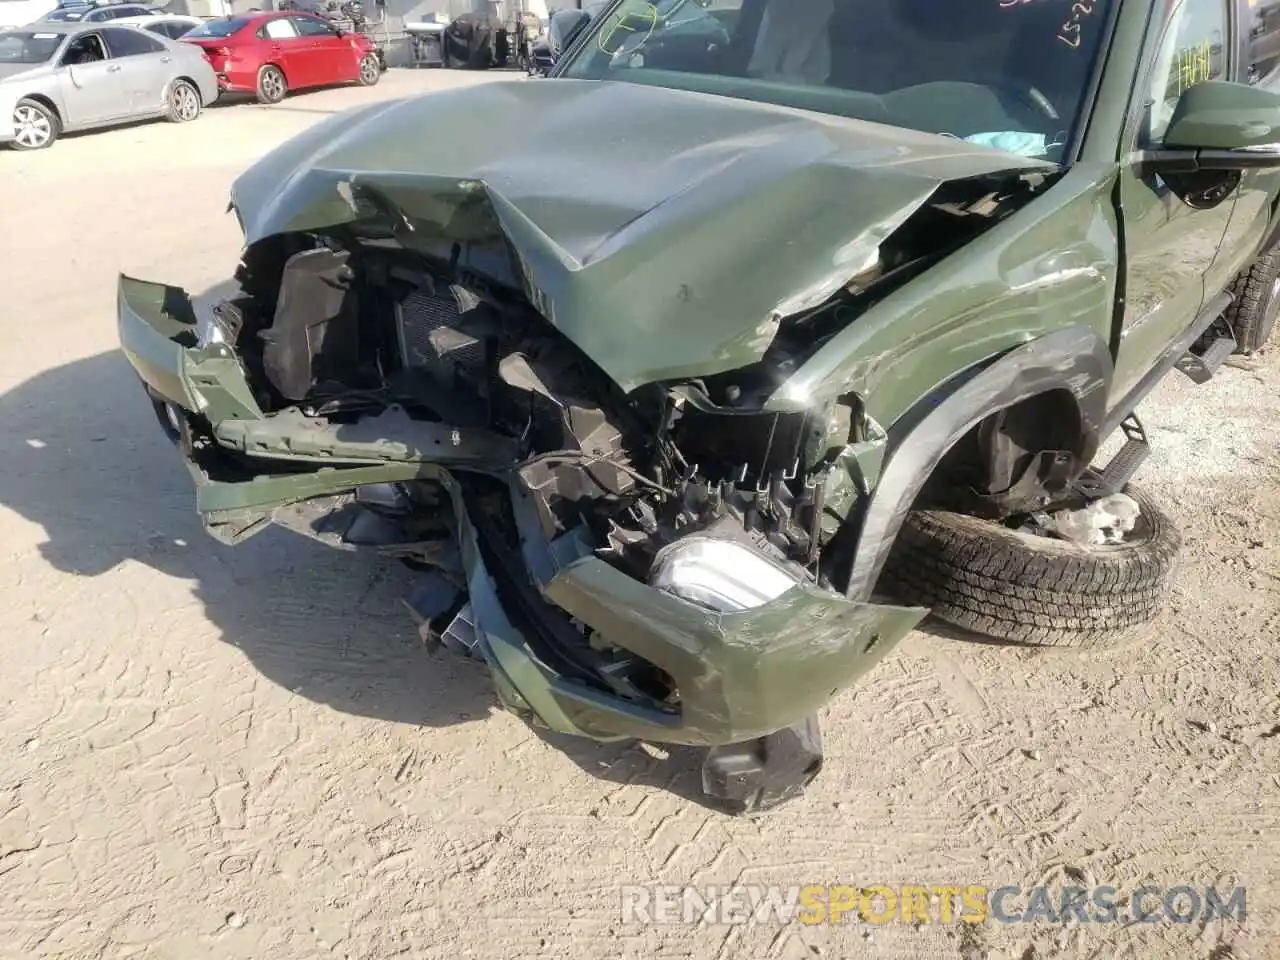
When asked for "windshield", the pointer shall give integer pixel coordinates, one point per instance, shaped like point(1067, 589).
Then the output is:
point(22, 46)
point(223, 27)
point(1010, 74)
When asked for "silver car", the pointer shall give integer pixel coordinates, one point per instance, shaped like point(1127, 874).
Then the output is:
point(58, 77)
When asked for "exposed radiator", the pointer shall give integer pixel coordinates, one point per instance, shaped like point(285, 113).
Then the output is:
point(427, 331)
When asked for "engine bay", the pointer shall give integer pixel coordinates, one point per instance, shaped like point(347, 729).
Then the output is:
point(362, 334)
point(378, 345)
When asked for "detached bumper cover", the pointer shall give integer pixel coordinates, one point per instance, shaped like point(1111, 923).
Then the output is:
point(739, 676)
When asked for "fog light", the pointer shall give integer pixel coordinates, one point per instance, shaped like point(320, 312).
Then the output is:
point(718, 574)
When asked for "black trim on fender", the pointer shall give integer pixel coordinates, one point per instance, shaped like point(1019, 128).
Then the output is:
point(1075, 359)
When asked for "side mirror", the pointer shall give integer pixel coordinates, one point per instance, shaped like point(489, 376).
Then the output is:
point(564, 29)
point(1230, 126)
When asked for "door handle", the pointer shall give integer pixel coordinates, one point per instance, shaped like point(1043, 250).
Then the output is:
point(166, 59)
point(113, 68)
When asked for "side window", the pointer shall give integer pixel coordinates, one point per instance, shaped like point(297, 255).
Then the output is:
point(86, 48)
point(1193, 50)
point(279, 29)
point(311, 27)
point(176, 28)
point(130, 43)
point(1264, 39)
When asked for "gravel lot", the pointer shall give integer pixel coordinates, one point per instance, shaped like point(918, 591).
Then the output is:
point(243, 753)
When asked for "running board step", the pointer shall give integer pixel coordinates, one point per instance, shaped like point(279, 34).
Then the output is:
point(1115, 476)
point(1201, 367)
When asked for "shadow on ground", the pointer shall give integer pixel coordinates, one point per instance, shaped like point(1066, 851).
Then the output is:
point(85, 459)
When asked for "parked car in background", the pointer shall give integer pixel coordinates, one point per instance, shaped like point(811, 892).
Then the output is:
point(269, 54)
point(204, 9)
point(98, 11)
point(59, 77)
point(168, 25)
point(18, 13)
point(348, 16)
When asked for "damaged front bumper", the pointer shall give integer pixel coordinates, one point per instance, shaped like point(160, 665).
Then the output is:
point(737, 676)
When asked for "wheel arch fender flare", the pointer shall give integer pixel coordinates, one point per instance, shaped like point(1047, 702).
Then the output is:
point(276, 65)
point(46, 101)
point(1075, 360)
point(189, 81)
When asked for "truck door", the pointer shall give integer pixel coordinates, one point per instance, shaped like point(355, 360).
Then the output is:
point(1172, 235)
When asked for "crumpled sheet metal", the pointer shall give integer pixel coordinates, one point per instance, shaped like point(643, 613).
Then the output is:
point(666, 233)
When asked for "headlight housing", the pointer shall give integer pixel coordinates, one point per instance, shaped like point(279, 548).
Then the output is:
point(211, 328)
point(718, 574)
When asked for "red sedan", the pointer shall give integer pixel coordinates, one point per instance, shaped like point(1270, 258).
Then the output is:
point(269, 54)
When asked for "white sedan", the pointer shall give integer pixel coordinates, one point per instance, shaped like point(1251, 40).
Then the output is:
point(58, 77)
point(171, 25)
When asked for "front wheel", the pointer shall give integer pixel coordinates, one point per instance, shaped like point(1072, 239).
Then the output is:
point(1024, 586)
point(370, 70)
point(35, 125)
point(272, 85)
point(184, 103)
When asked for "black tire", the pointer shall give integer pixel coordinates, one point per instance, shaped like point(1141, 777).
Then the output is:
point(41, 123)
point(1252, 314)
point(184, 104)
point(369, 71)
point(1030, 589)
point(272, 85)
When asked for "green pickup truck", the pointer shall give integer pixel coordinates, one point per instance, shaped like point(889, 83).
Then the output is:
point(777, 325)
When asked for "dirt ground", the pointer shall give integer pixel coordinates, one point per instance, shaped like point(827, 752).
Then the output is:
point(214, 752)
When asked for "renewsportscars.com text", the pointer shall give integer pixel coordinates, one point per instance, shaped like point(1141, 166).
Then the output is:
point(917, 904)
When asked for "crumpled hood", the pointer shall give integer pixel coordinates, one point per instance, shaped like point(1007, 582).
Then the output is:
point(664, 232)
